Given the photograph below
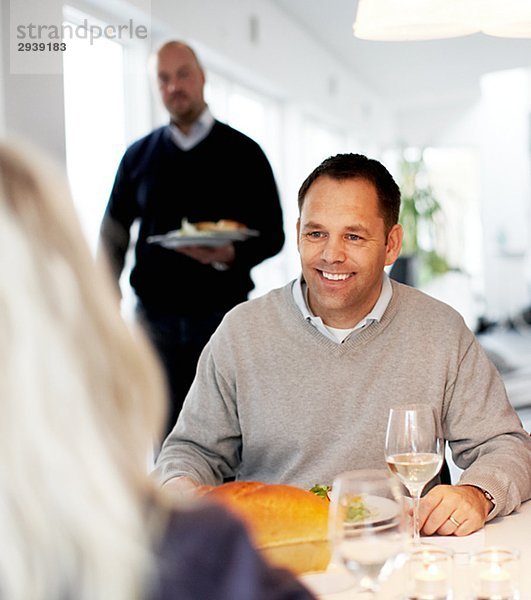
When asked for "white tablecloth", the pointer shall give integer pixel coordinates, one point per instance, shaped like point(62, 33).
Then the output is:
point(513, 532)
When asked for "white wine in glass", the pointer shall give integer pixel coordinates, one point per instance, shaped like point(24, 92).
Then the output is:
point(367, 525)
point(414, 450)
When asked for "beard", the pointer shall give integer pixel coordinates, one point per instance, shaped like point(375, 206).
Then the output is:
point(183, 109)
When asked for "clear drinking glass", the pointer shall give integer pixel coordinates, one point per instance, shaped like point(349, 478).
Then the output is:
point(414, 449)
point(367, 525)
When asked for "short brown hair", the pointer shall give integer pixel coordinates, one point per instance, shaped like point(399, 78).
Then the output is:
point(357, 166)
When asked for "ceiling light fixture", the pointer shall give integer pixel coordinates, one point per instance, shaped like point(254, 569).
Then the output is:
point(506, 18)
point(403, 20)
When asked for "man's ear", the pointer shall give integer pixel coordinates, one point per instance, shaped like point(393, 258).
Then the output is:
point(298, 231)
point(394, 243)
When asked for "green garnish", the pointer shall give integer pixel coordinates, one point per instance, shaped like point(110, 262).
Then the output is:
point(356, 510)
point(321, 490)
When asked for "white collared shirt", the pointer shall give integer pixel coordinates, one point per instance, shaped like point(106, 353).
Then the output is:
point(198, 132)
point(300, 295)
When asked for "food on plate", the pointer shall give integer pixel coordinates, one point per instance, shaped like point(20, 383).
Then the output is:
point(288, 525)
point(356, 510)
point(221, 225)
point(208, 227)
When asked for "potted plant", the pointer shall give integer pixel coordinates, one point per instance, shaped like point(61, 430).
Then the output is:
point(422, 219)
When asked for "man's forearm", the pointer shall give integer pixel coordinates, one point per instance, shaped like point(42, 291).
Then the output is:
point(181, 487)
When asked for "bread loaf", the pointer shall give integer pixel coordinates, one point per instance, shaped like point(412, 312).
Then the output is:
point(288, 525)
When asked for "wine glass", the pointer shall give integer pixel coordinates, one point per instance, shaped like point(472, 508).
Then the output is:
point(367, 524)
point(414, 449)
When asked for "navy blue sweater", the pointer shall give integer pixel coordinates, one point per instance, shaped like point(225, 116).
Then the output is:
point(226, 176)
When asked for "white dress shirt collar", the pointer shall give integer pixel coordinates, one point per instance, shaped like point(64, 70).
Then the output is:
point(300, 295)
point(198, 132)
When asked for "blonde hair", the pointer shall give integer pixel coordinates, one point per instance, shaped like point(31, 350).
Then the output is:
point(82, 401)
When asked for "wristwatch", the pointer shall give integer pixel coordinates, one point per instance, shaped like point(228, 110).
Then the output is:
point(488, 496)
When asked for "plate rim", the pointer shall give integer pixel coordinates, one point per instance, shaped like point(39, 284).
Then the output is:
point(212, 238)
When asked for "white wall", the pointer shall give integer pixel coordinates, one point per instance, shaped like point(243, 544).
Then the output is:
point(32, 104)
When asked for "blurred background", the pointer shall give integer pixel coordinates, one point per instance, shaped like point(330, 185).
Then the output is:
point(450, 118)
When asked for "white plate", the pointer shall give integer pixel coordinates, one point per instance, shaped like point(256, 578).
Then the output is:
point(174, 239)
point(382, 510)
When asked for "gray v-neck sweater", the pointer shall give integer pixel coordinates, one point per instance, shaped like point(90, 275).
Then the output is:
point(274, 400)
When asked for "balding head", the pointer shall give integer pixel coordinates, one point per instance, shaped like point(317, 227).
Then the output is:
point(177, 45)
point(181, 81)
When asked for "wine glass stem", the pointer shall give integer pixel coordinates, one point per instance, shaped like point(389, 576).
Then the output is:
point(416, 509)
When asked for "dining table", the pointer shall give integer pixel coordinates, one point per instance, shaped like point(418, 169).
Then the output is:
point(511, 532)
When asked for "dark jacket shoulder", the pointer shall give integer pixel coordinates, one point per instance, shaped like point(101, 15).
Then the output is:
point(229, 135)
point(144, 148)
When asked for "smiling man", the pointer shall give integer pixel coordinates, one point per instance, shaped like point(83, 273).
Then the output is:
point(344, 244)
point(296, 386)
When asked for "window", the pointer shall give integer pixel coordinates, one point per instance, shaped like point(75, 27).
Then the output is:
point(94, 124)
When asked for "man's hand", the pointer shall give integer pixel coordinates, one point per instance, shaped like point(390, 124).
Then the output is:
point(181, 487)
point(208, 254)
point(453, 510)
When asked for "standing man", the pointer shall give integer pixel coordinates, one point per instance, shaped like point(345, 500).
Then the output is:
point(202, 170)
point(296, 386)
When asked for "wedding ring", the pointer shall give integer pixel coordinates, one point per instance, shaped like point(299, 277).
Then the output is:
point(454, 521)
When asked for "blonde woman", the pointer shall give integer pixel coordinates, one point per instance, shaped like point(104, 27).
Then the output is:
point(82, 400)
